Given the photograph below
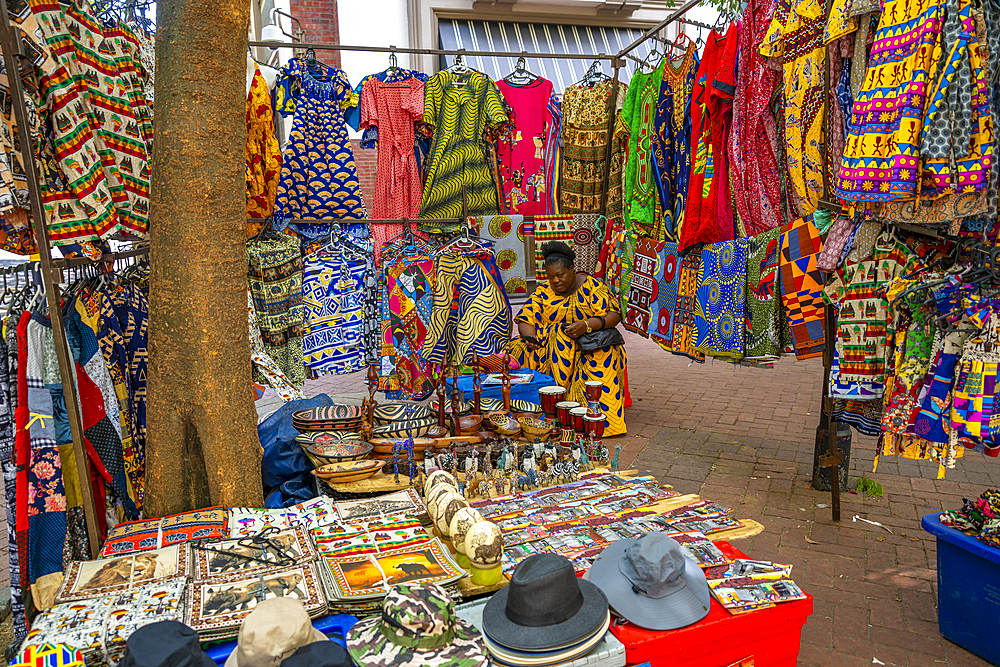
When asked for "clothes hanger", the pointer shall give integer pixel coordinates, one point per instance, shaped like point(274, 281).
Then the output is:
point(594, 75)
point(392, 70)
point(521, 76)
point(459, 67)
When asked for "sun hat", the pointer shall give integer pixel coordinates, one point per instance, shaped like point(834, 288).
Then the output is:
point(418, 627)
point(545, 606)
point(504, 655)
point(650, 582)
point(50, 655)
point(165, 644)
point(272, 632)
point(319, 654)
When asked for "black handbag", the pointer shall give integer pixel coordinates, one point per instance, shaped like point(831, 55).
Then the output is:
point(600, 339)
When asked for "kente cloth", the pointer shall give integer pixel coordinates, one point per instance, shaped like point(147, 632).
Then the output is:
point(264, 364)
point(833, 246)
point(609, 262)
point(333, 296)
point(641, 193)
point(276, 287)
point(763, 335)
point(754, 167)
point(50, 655)
point(795, 37)
point(685, 331)
point(98, 137)
point(393, 108)
point(8, 390)
point(720, 101)
point(720, 306)
point(587, 237)
point(802, 286)
point(263, 154)
point(319, 178)
point(407, 294)
point(560, 357)
point(550, 228)
point(460, 107)
point(671, 140)
point(522, 163)
point(470, 313)
point(858, 294)
point(507, 233)
point(701, 219)
point(585, 124)
point(668, 275)
point(642, 287)
point(974, 412)
point(210, 523)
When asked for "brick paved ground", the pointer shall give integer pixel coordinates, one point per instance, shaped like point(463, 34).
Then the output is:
point(744, 437)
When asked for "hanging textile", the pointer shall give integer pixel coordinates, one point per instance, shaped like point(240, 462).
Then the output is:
point(393, 108)
point(586, 117)
point(550, 228)
point(522, 163)
point(721, 300)
point(8, 404)
point(639, 113)
point(333, 298)
point(802, 286)
point(460, 107)
point(795, 38)
point(720, 101)
point(763, 302)
point(587, 238)
point(263, 154)
point(276, 286)
point(553, 157)
point(661, 324)
point(319, 178)
point(671, 140)
point(685, 330)
point(407, 294)
point(264, 364)
point(642, 286)
point(470, 313)
point(559, 355)
point(507, 232)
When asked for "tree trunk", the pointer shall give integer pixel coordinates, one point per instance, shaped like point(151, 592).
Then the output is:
point(202, 446)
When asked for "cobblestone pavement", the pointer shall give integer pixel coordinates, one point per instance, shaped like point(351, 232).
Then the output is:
point(744, 437)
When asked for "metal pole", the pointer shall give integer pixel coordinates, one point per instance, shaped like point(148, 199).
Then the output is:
point(10, 42)
point(655, 29)
point(617, 63)
point(430, 52)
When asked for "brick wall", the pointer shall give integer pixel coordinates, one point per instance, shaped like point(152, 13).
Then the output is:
point(321, 25)
point(366, 161)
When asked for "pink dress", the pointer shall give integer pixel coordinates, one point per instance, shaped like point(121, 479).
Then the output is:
point(522, 165)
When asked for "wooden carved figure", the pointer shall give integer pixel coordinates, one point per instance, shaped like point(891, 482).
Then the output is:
point(506, 388)
point(440, 396)
point(477, 386)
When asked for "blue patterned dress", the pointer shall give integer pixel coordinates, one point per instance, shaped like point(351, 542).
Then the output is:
point(319, 178)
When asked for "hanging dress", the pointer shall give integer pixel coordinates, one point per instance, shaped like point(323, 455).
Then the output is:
point(319, 178)
point(671, 145)
point(641, 196)
point(460, 107)
point(522, 163)
point(263, 154)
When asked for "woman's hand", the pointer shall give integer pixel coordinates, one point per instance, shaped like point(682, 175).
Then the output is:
point(531, 343)
point(576, 329)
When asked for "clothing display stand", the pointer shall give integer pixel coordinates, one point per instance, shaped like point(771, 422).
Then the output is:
point(52, 273)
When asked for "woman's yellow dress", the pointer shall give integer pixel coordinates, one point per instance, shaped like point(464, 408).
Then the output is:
point(560, 356)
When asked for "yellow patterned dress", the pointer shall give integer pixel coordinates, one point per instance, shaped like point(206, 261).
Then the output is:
point(561, 358)
point(263, 154)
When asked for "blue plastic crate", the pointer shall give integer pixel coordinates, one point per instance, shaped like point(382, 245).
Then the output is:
point(968, 589)
point(335, 627)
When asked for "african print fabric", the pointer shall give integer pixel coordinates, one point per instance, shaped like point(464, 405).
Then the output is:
point(393, 108)
point(720, 101)
point(263, 154)
point(407, 295)
point(318, 174)
point(560, 356)
point(264, 364)
point(720, 305)
point(470, 313)
point(10, 478)
point(587, 238)
point(507, 233)
point(586, 121)
point(668, 275)
point(802, 286)
point(763, 335)
point(671, 141)
point(522, 163)
point(685, 330)
point(836, 241)
point(210, 523)
point(460, 107)
point(641, 192)
point(550, 228)
point(754, 170)
point(796, 38)
point(333, 295)
point(276, 287)
point(642, 287)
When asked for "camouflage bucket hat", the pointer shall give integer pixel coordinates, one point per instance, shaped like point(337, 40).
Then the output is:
point(418, 626)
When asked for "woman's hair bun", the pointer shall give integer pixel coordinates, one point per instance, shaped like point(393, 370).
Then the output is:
point(558, 248)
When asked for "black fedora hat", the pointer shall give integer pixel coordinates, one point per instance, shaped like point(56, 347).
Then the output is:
point(545, 606)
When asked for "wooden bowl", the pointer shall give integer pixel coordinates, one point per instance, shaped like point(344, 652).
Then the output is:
point(526, 407)
point(418, 428)
point(398, 411)
point(385, 445)
point(312, 437)
point(469, 424)
point(535, 428)
point(348, 471)
point(338, 451)
point(504, 424)
point(490, 404)
point(464, 407)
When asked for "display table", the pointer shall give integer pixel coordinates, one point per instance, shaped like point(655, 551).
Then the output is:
point(518, 392)
point(720, 639)
point(968, 589)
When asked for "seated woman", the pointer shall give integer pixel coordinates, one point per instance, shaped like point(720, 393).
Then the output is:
point(559, 312)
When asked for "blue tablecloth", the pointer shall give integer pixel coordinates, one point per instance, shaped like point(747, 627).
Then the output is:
point(518, 392)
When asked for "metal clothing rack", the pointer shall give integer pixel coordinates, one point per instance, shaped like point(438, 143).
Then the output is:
point(51, 271)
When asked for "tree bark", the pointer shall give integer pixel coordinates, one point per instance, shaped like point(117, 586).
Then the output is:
point(202, 446)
